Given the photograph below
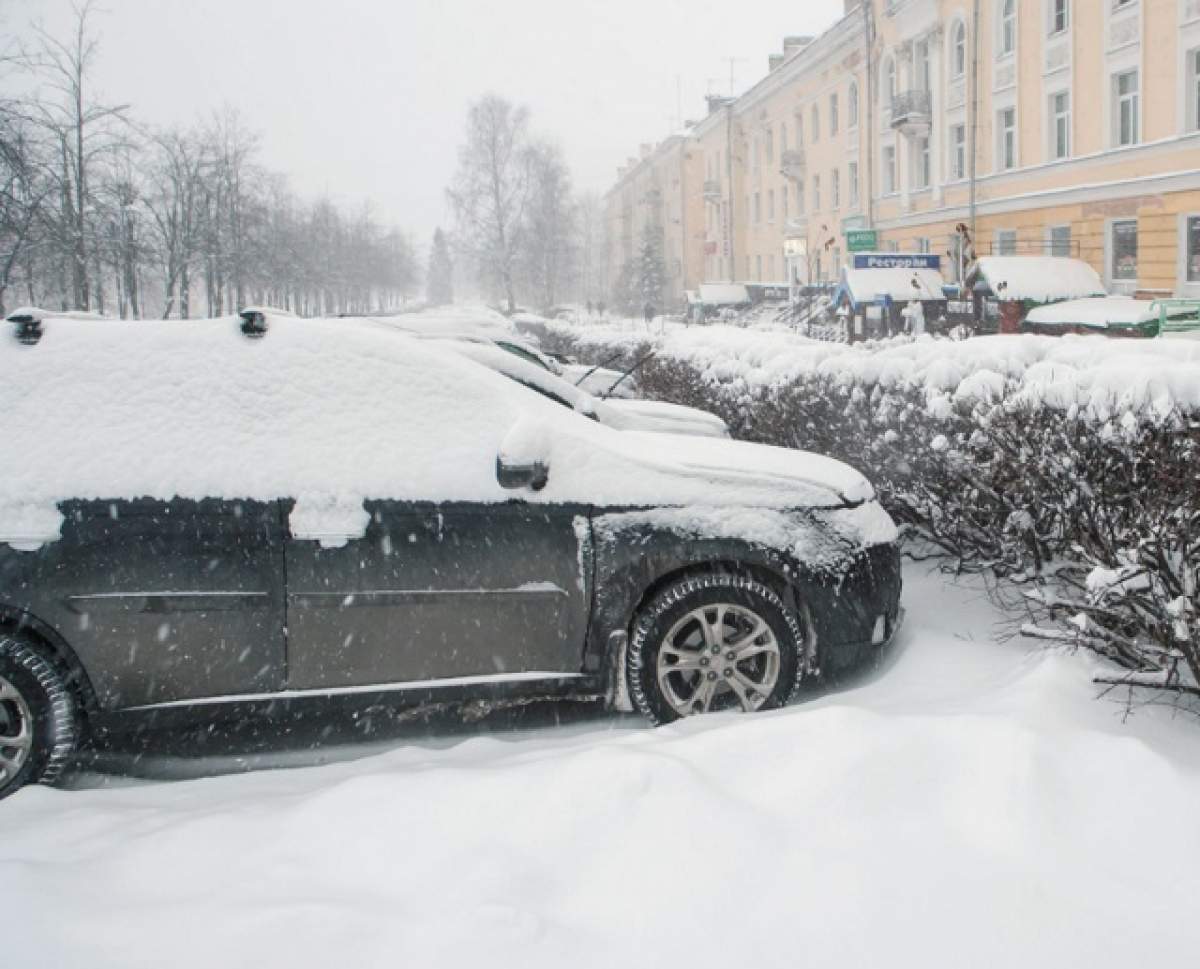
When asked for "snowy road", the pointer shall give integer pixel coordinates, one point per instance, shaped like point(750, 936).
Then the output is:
point(971, 805)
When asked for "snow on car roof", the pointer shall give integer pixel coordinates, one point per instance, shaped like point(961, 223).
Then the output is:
point(1040, 279)
point(1100, 312)
point(331, 411)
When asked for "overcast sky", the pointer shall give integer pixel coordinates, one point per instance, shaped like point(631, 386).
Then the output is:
point(366, 98)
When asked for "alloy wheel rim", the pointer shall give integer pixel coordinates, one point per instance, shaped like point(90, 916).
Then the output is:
point(718, 657)
point(16, 731)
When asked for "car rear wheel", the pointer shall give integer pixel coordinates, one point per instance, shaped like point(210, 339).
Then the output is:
point(708, 643)
point(38, 725)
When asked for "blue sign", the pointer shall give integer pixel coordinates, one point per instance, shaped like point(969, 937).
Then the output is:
point(897, 260)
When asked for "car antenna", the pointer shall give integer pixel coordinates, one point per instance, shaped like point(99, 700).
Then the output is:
point(617, 383)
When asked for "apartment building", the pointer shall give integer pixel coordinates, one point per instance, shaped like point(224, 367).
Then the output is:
point(1046, 126)
point(661, 192)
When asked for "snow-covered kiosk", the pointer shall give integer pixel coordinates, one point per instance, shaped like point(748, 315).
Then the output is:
point(876, 288)
point(1018, 284)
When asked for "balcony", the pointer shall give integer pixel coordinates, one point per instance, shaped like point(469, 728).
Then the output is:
point(712, 191)
point(912, 112)
point(793, 164)
point(796, 228)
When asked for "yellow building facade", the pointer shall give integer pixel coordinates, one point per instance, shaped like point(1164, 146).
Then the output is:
point(1066, 127)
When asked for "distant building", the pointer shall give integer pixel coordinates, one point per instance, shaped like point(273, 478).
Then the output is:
point(1050, 126)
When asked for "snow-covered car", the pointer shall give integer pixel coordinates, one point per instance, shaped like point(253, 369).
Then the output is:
point(602, 381)
point(208, 520)
point(625, 415)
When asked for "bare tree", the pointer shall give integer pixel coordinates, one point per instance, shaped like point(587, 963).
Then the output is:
point(176, 206)
point(549, 238)
point(491, 188)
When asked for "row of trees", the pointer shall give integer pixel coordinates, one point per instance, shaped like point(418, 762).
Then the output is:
point(520, 228)
point(101, 213)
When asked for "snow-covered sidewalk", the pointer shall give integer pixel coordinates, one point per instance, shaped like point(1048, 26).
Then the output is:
point(971, 804)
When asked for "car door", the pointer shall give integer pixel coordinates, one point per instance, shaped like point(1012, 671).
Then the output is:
point(167, 600)
point(436, 592)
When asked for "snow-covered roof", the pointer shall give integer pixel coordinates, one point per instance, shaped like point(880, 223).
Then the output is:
point(901, 285)
point(723, 294)
point(331, 412)
point(1100, 312)
point(1039, 279)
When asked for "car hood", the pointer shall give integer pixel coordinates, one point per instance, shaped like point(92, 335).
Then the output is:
point(653, 415)
point(740, 469)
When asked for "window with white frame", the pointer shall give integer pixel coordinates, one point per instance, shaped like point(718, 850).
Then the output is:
point(770, 268)
point(889, 169)
point(758, 268)
point(1191, 248)
point(1123, 251)
point(958, 51)
point(816, 189)
point(770, 205)
point(800, 197)
point(833, 114)
point(1058, 240)
point(757, 208)
point(799, 130)
point(1060, 16)
point(958, 151)
point(754, 152)
point(1006, 139)
point(1193, 90)
point(835, 189)
point(1126, 108)
point(1006, 242)
point(783, 137)
point(852, 106)
point(1007, 35)
point(922, 77)
point(887, 83)
point(852, 183)
point(783, 203)
point(924, 246)
point(922, 167)
point(770, 139)
point(1060, 125)
point(816, 124)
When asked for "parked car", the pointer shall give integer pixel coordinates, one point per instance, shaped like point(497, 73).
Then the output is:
point(570, 384)
point(221, 519)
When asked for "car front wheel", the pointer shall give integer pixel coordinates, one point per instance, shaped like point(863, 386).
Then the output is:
point(37, 717)
point(714, 642)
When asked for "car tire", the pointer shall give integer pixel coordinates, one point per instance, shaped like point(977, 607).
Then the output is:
point(692, 649)
point(38, 718)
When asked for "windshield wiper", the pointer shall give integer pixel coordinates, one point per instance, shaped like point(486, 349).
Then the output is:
point(617, 383)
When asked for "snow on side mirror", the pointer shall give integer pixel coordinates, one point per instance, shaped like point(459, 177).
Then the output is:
point(522, 461)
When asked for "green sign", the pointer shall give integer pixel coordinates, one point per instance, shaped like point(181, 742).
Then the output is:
point(862, 240)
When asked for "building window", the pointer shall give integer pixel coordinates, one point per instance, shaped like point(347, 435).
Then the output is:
point(816, 124)
point(922, 78)
point(922, 168)
point(1125, 105)
point(770, 138)
point(799, 130)
point(958, 151)
point(852, 104)
point(833, 115)
point(748, 276)
point(1058, 240)
point(1006, 146)
point(852, 179)
point(783, 137)
point(816, 193)
point(1193, 88)
point(1008, 27)
point(771, 205)
point(887, 84)
point(800, 197)
point(770, 268)
point(1060, 121)
point(889, 169)
point(758, 268)
point(958, 51)
point(924, 246)
point(1006, 242)
point(1060, 16)
point(757, 208)
point(835, 189)
point(783, 202)
point(1191, 247)
point(1123, 247)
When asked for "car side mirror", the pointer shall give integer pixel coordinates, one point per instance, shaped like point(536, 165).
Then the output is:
point(532, 476)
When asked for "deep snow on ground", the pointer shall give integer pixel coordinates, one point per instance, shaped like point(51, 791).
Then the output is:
point(972, 803)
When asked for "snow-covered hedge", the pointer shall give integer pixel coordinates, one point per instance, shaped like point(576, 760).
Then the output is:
point(1070, 466)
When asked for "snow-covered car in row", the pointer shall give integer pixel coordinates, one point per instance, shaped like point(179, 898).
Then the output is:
point(526, 364)
point(211, 520)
